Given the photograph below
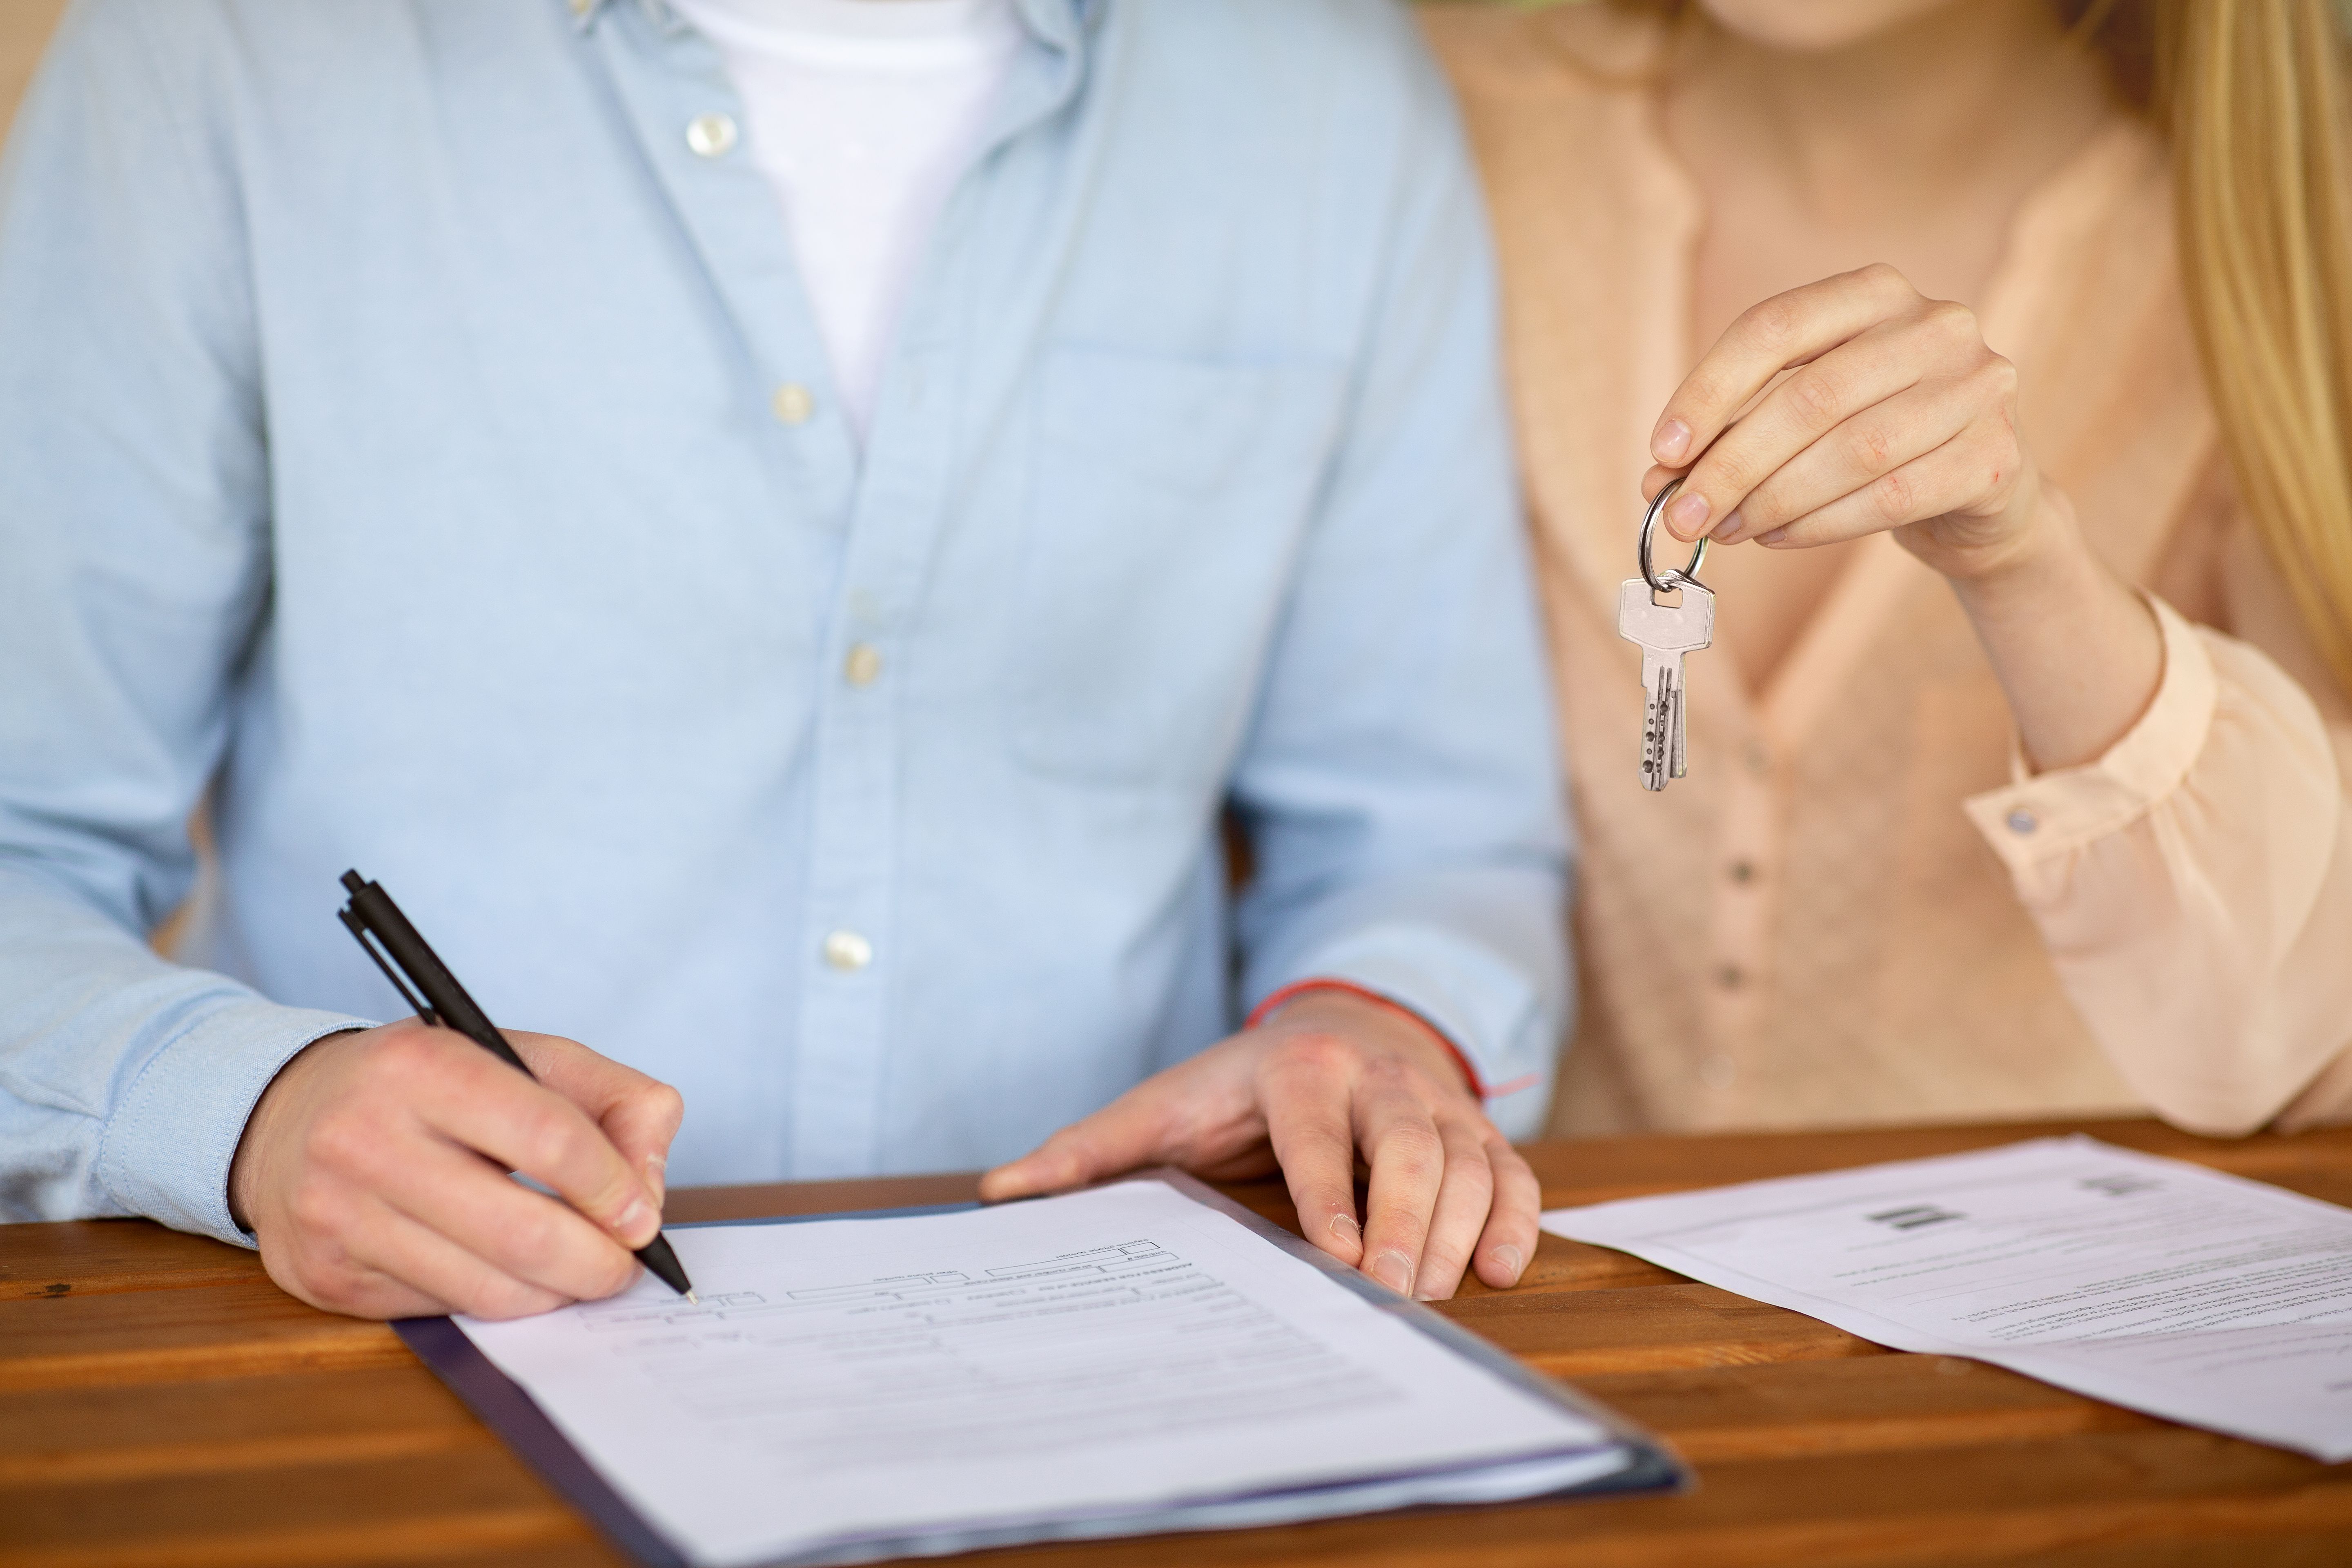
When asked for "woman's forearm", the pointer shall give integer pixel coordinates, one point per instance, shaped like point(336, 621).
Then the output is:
point(2077, 651)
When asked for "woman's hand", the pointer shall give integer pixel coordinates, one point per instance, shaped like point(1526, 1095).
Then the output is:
point(1894, 414)
point(1328, 1074)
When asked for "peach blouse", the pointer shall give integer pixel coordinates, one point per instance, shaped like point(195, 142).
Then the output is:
point(1859, 907)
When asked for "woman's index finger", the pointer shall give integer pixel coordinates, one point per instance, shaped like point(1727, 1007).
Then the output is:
point(1787, 330)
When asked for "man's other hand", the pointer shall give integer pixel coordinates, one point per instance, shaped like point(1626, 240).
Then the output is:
point(1329, 1074)
point(373, 1172)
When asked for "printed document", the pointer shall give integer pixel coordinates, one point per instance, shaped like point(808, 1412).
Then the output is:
point(1119, 1351)
point(2175, 1290)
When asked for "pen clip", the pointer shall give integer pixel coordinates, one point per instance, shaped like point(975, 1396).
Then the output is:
point(358, 929)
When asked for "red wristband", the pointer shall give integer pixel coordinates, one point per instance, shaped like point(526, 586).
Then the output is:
point(1298, 988)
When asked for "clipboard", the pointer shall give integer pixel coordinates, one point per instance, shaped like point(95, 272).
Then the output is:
point(500, 1403)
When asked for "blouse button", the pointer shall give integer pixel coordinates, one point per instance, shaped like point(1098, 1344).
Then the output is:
point(2022, 821)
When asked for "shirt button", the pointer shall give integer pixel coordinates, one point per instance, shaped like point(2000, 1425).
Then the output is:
point(793, 403)
point(2022, 821)
point(1718, 1072)
point(864, 663)
point(1743, 871)
point(710, 135)
point(846, 951)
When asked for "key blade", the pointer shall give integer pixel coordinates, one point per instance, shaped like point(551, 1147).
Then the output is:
point(1677, 739)
point(1661, 699)
point(1662, 682)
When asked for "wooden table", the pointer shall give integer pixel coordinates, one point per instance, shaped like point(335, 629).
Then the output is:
point(162, 1403)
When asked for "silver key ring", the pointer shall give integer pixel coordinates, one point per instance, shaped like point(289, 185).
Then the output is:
point(1673, 578)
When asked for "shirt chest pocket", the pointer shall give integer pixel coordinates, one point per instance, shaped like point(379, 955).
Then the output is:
point(1171, 499)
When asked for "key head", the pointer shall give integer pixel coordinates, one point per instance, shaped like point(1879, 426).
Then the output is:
point(1665, 628)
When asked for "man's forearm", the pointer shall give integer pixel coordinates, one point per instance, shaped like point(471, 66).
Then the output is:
point(126, 1079)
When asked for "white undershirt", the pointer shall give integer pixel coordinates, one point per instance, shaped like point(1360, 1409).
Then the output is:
point(864, 113)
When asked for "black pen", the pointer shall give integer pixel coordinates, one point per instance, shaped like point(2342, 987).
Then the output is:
point(372, 912)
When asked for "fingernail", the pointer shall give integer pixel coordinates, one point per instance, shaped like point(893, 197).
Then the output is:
point(1729, 526)
point(1778, 536)
point(1345, 1227)
point(1686, 516)
point(656, 1178)
point(1671, 442)
point(1507, 1257)
point(1395, 1271)
point(631, 1218)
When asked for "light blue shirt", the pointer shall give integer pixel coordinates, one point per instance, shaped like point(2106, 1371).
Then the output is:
point(410, 434)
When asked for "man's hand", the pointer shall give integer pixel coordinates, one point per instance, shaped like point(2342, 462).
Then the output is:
point(374, 1173)
point(1327, 1075)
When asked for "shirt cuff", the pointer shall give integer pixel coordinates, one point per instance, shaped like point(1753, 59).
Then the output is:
point(1483, 1009)
point(1298, 988)
point(168, 1147)
point(2040, 817)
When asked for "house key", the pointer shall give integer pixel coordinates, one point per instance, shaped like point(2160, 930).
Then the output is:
point(1666, 632)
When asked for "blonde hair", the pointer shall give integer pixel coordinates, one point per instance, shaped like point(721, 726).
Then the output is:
point(2251, 95)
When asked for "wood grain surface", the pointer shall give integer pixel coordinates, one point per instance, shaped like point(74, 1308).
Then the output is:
point(161, 1404)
